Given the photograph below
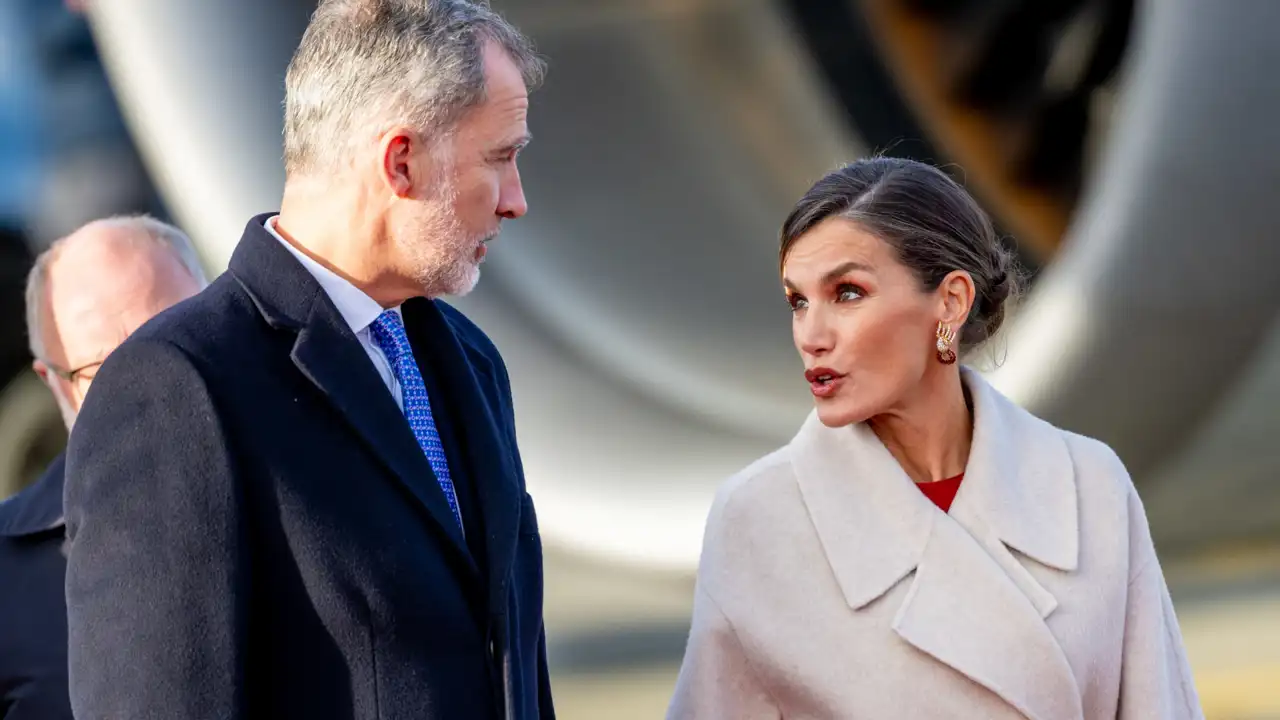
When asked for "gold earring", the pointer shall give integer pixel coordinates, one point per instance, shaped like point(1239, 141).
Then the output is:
point(946, 336)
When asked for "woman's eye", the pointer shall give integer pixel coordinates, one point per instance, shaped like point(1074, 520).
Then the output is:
point(797, 302)
point(847, 293)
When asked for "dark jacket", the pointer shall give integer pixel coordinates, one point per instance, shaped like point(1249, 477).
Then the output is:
point(33, 611)
point(255, 532)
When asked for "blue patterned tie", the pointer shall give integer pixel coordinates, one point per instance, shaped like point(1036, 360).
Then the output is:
point(388, 333)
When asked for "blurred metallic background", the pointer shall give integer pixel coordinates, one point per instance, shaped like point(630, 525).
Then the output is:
point(1131, 151)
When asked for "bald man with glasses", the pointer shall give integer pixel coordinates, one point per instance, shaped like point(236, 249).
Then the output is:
point(85, 295)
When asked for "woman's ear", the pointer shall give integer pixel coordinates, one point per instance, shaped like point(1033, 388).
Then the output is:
point(956, 296)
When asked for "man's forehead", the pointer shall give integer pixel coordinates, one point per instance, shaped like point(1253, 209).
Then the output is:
point(498, 123)
point(90, 311)
point(81, 301)
point(81, 326)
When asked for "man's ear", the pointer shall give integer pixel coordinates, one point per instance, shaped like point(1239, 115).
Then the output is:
point(43, 371)
point(398, 148)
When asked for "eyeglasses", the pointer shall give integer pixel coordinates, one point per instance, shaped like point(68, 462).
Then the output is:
point(72, 376)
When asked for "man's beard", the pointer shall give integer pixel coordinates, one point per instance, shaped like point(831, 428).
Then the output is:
point(441, 251)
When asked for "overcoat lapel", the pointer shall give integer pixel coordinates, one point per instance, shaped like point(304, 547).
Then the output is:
point(972, 605)
point(490, 461)
point(327, 353)
point(330, 357)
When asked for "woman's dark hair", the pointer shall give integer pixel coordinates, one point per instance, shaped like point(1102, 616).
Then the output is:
point(931, 222)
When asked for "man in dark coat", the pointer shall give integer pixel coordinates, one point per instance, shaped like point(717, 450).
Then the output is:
point(299, 494)
point(85, 294)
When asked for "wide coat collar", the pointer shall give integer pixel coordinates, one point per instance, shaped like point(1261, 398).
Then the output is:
point(329, 355)
point(972, 604)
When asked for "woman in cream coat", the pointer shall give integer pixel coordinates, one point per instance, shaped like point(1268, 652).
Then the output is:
point(923, 548)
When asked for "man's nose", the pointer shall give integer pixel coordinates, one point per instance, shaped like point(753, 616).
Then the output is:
point(511, 201)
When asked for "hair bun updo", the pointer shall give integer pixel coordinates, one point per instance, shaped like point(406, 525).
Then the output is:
point(992, 304)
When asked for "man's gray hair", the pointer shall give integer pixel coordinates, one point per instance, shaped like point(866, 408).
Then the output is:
point(140, 227)
point(365, 65)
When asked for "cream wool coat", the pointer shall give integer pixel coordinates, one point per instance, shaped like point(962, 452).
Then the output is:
point(831, 587)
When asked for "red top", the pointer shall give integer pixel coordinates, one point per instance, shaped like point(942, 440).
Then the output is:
point(942, 492)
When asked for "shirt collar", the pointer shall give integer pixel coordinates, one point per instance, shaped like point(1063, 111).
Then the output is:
point(356, 308)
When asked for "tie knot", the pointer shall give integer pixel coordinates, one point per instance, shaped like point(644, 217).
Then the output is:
point(388, 332)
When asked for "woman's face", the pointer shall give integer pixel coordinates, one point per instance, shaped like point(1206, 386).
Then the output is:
point(863, 324)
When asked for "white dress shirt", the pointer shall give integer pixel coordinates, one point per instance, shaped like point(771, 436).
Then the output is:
point(357, 308)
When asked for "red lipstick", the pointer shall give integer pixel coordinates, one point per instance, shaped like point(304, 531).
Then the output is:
point(823, 381)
